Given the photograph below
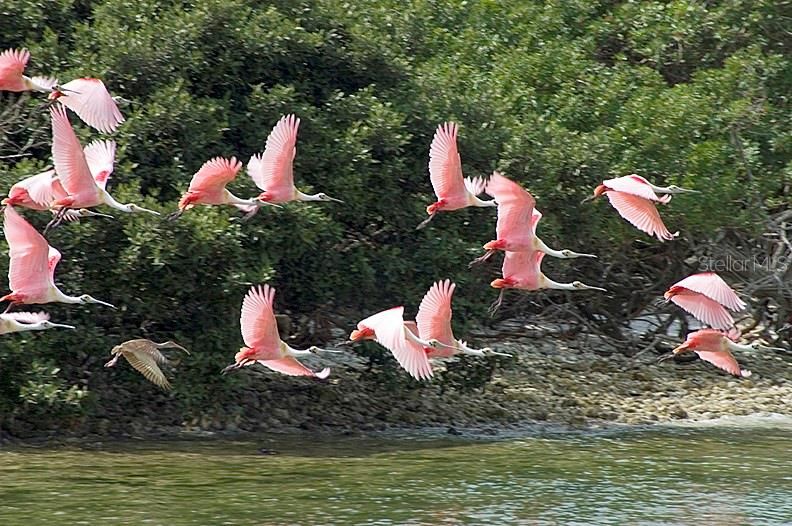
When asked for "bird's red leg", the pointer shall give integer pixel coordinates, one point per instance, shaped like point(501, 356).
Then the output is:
point(426, 221)
point(497, 303)
point(481, 259)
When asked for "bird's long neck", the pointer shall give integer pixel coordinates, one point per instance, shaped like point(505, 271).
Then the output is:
point(734, 346)
point(110, 201)
point(65, 298)
point(295, 352)
point(483, 203)
point(463, 348)
point(542, 247)
point(231, 199)
point(415, 339)
point(548, 283)
point(307, 197)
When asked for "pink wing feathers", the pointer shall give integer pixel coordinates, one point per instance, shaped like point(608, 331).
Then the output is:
point(29, 254)
point(390, 333)
point(100, 156)
point(445, 166)
point(259, 327)
point(34, 192)
point(214, 174)
point(637, 186)
point(712, 286)
point(91, 101)
point(434, 314)
point(723, 360)
point(291, 367)
point(69, 160)
point(515, 209)
point(272, 171)
point(12, 66)
point(704, 309)
point(641, 212)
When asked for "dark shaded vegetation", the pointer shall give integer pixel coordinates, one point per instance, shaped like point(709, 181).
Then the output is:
point(557, 95)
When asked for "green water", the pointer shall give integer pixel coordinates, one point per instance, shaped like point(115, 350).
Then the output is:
point(725, 475)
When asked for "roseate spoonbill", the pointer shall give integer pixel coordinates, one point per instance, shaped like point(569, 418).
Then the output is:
point(74, 172)
point(90, 100)
point(12, 77)
point(389, 329)
point(522, 270)
point(434, 323)
point(634, 198)
point(263, 343)
point(445, 172)
point(27, 321)
point(706, 296)
point(31, 272)
point(273, 170)
point(145, 356)
point(208, 187)
point(38, 192)
point(517, 221)
point(715, 347)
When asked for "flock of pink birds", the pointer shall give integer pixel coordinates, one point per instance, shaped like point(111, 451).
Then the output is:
point(78, 183)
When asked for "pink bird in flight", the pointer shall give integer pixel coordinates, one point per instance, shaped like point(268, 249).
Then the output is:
point(273, 170)
point(263, 343)
point(87, 97)
point(31, 272)
point(389, 329)
point(453, 191)
point(40, 191)
point(716, 348)
point(434, 324)
point(12, 73)
point(522, 270)
point(73, 166)
point(27, 321)
point(517, 222)
point(706, 296)
point(634, 199)
point(208, 187)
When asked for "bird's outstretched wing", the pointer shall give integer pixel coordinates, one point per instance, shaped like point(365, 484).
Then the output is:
point(723, 360)
point(259, 327)
point(641, 213)
point(26, 317)
point(147, 364)
point(215, 173)
point(515, 208)
point(100, 156)
point(69, 157)
point(637, 186)
point(29, 253)
point(712, 286)
point(90, 100)
point(445, 165)
point(705, 310)
point(272, 171)
point(434, 313)
point(391, 334)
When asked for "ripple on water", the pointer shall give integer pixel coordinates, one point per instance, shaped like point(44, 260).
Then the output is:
point(666, 475)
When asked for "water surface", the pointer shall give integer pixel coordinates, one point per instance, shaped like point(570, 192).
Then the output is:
point(730, 474)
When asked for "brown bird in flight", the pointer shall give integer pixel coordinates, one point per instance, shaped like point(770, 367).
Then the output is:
point(144, 355)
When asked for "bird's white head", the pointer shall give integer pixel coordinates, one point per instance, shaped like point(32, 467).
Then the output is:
point(86, 298)
point(579, 285)
point(136, 209)
point(674, 189)
point(46, 324)
point(321, 196)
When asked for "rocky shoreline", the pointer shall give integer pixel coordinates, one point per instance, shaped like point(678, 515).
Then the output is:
point(547, 381)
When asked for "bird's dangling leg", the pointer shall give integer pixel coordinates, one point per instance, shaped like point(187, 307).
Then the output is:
point(481, 259)
point(57, 220)
point(175, 215)
point(426, 221)
point(496, 304)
